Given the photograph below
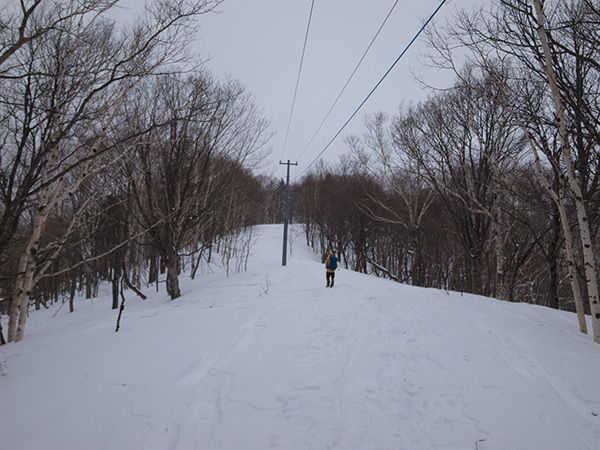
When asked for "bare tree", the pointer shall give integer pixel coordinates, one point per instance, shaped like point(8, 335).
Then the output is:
point(180, 176)
point(584, 228)
point(465, 146)
point(511, 37)
point(384, 158)
point(29, 21)
point(65, 92)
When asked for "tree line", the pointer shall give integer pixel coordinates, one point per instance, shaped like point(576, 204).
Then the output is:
point(490, 186)
point(121, 156)
point(122, 159)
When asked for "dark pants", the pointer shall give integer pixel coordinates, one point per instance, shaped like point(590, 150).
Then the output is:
point(330, 275)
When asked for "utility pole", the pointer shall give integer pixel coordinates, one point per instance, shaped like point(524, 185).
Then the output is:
point(286, 215)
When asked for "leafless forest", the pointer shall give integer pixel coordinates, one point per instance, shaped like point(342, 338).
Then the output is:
point(122, 157)
point(120, 153)
point(491, 186)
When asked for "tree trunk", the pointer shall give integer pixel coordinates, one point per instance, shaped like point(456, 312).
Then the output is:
point(559, 201)
point(2, 341)
point(173, 276)
point(571, 261)
point(500, 282)
point(24, 282)
point(88, 286)
point(153, 271)
point(121, 309)
point(72, 296)
point(115, 289)
point(552, 262)
point(582, 217)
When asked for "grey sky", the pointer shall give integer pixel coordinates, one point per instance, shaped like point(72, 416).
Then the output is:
point(260, 43)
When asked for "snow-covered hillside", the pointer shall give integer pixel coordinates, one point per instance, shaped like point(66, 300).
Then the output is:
point(270, 358)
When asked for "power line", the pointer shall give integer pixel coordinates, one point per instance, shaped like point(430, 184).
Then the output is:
point(349, 79)
point(376, 86)
point(287, 133)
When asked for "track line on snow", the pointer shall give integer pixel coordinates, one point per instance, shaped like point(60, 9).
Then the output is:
point(204, 383)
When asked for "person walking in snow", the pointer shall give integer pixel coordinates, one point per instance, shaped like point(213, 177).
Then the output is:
point(331, 265)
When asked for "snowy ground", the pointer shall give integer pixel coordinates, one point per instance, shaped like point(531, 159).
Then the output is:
point(270, 358)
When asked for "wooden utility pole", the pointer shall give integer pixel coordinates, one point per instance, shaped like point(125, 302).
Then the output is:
point(286, 215)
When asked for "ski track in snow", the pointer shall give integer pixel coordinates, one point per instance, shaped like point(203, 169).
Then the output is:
point(204, 385)
point(271, 359)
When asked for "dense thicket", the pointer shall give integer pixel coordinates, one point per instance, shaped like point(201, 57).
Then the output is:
point(472, 189)
point(114, 165)
point(414, 234)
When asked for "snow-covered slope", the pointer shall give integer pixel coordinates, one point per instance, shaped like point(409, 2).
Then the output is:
point(270, 358)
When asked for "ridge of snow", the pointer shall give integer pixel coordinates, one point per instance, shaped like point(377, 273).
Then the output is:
point(270, 358)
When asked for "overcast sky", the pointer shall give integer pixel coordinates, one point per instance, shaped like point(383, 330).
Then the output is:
point(260, 43)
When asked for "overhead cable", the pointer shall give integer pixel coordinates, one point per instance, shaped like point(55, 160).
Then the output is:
point(349, 79)
point(287, 133)
point(376, 86)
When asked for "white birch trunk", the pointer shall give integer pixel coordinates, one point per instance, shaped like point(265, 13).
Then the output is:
point(24, 281)
point(584, 228)
point(572, 266)
point(559, 200)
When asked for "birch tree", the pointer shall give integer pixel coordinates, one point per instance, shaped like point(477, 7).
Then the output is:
point(587, 242)
point(512, 36)
point(28, 21)
point(66, 89)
